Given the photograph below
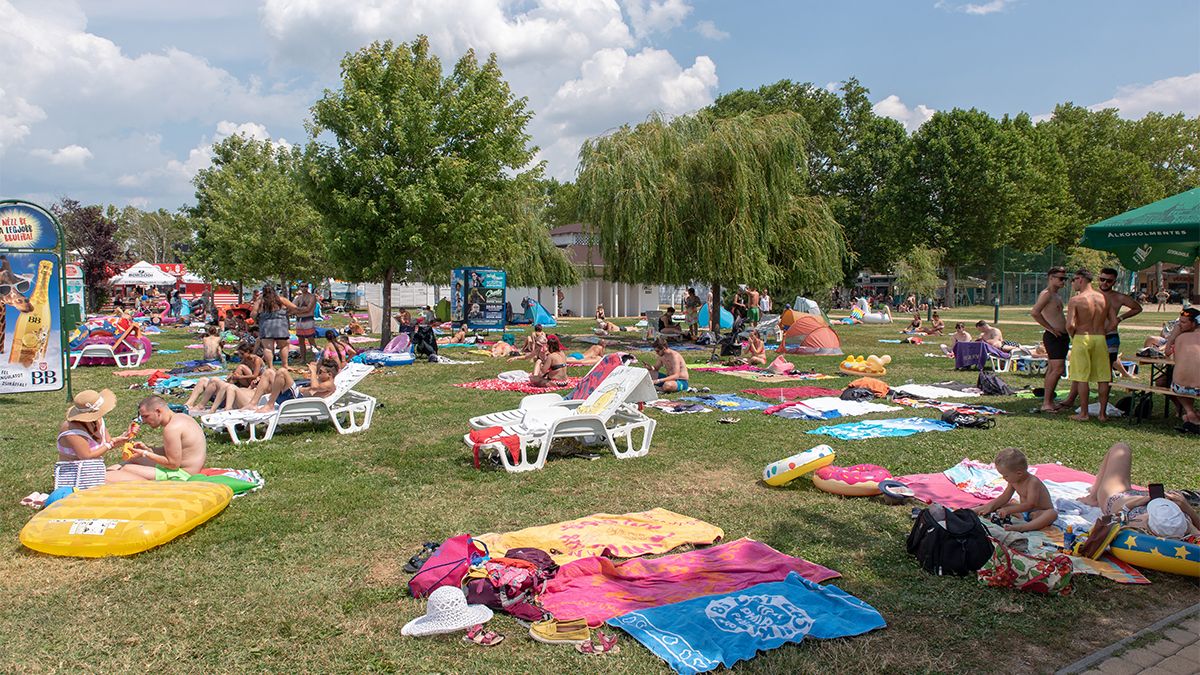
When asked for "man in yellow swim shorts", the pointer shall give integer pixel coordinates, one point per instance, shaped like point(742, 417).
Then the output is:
point(1086, 315)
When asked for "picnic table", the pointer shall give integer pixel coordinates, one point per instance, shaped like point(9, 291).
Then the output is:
point(1145, 392)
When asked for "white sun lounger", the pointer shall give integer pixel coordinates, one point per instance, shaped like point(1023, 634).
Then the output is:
point(608, 415)
point(130, 359)
point(348, 410)
point(536, 401)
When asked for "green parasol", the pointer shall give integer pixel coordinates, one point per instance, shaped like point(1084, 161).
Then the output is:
point(1166, 231)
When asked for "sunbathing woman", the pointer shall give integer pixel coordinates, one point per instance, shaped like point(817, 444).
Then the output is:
point(937, 326)
point(914, 326)
point(592, 355)
point(1170, 516)
point(338, 349)
point(756, 351)
point(551, 367)
point(458, 338)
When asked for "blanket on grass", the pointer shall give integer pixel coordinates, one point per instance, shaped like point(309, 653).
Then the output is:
point(826, 407)
point(495, 384)
point(936, 487)
point(907, 426)
point(930, 391)
point(698, 635)
point(611, 535)
point(943, 406)
point(1047, 543)
point(678, 407)
point(791, 393)
point(597, 589)
point(727, 402)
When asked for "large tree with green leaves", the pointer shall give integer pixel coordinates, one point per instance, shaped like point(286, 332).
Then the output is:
point(156, 236)
point(427, 171)
point(917, 272)
point(92, 235)
point(718, 199)
point(253, 221)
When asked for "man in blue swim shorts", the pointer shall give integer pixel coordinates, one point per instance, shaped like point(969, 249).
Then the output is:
point(1183, 345)
point(671, 363)
point(1115, 301)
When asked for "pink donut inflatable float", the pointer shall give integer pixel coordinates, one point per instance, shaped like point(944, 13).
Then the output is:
point(860, 480)
point(140, 343)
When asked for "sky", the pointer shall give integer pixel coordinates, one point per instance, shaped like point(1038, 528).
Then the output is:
point(120, 101)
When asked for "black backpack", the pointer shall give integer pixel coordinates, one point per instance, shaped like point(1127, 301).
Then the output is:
point(959, 547)
point(992, 385)
point(968, 420)
point(425, 342)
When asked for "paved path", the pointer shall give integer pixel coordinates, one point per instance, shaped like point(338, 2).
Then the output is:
point(1170, 646)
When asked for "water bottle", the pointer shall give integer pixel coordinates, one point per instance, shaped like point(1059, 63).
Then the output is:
point(1069, 539)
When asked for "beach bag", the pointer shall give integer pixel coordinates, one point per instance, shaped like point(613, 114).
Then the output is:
point(857, 394)
point(949, 542)
point(447, 566)
point(1012, 569)
point(992, 385)
point(780, 366)
point(968, 420)
point(424, 341)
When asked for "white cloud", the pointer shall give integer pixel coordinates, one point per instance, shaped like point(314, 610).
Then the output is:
point(72, 156)
point(709, 30)
point(978, 9)
point(911, 118)
point(1170, 95)
point(656, 16)
point(16, 116)
point(177, 174)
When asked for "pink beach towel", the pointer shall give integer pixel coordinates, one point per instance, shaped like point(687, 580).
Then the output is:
point(936, 487)
point(792, 393)
point(598, 589)
point(523, 387)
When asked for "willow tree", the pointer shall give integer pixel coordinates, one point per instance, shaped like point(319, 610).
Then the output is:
point(721, 200)
point(417, 170)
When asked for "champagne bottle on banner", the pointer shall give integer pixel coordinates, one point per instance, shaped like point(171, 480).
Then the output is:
point(32, 333)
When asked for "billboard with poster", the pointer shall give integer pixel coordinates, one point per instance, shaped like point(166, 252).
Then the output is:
point(482, 296)
point(32, 345)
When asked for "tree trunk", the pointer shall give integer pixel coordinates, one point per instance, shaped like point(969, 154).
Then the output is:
point(950, 282)
point(714, 310)
point(1158, 278)
point(386, 328)
point(988, 278)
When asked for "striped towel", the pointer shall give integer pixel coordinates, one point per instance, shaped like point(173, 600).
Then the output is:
point(81, 473)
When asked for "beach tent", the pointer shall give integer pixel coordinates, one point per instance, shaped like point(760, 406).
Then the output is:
point(803, 304)
point(535, 313)
point(805, 333)
point(726, 318)
point(1166, 231)
point(143, 274)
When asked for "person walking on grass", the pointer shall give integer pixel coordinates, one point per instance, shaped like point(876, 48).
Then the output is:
point(1048, 312)
point(1087, 313)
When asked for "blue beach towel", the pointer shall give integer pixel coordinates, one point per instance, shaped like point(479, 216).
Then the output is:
point(698, 635)
point(857, 431)
point(728, 402)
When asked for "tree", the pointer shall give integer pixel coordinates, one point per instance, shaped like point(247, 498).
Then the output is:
point(253, 221)
point(427, 171)
point(702, 197)
point(156, 236)
point(917, 272)
point(92, 236)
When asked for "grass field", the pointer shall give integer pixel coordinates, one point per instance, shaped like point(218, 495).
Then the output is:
point(305, 575)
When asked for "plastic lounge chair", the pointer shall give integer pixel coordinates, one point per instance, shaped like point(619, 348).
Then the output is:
point(348, 410)
point(609, 414)
point(572, 399)
point(130, 359)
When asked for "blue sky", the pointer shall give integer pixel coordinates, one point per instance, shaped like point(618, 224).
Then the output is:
point(119, 101)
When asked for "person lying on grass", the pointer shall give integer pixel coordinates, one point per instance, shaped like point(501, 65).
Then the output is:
point(1169, 516)
point(551, 367)
point(671, 373)
point(592, 355)
point(1035, 504)
point(459, 337)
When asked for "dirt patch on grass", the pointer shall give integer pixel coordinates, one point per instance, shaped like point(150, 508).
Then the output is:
point(691, 474)
point(386, 570)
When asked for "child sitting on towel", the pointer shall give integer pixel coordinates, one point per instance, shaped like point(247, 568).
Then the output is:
point(1035, 502)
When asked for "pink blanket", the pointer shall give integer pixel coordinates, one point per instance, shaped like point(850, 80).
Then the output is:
point(598, 589)
point(935, 487)
point(728, 369)
point(792, 393)
point(524, 387)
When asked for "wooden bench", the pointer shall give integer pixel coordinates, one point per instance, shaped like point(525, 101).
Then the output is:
point(1146, 392)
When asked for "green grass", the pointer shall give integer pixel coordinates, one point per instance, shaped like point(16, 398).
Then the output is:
point(305, 576)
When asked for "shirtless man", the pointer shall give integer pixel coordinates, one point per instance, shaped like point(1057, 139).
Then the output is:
point(691, 312)
point(1048, 312)
point(1115, 300)
point(182, 454)
point(991, 335)
point(1184, 346)
point(1087, 314)
point(752, 311)
point(671, 373)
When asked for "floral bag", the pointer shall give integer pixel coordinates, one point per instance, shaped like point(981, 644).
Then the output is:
point(1011, 569)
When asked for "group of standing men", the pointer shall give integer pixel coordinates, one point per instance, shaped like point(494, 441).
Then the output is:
point(1089, 332)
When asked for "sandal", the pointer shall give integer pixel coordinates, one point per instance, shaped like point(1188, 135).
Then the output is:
point(415, 563)
point(607, 645)
point(482, 637)
point(729, 420)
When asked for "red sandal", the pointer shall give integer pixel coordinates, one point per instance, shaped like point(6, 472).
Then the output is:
point(482, 637)
point(607, 645)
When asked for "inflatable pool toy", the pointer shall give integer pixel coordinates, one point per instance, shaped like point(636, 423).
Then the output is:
point(787, 470)
point(860, 480)
point(124, 335)
point(1155, 553)
point(378, 358)
point(123, 518)
point(60, 493)
point(868, 365)
point(865, 315)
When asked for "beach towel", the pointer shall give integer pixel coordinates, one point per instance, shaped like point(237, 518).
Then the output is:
point(982, 480)
point(166, 351)
point(857, 431)
point(597, 589)
point(827, 407)
point(145, 372)
point(611, 535)
point(446, 360)
point(698, 635)
point(928, 391)
point(727, 402)
point(678, 407)
point(772, 377)
point(909, 402)
point(361, 339)
point(791, 393)
point(936, 487)
point(523, 387)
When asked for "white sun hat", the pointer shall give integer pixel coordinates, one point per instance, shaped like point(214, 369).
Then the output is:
point(1166, 519)
point(447, 612)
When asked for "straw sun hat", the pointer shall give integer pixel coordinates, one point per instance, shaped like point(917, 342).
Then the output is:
point(447, 612)
point(91, 405)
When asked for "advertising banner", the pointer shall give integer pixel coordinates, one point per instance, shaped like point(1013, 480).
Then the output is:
point(31, 356)
point(458, 292)
point(485, 301)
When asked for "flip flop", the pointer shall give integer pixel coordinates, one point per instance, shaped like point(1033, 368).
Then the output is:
point(895, 492)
